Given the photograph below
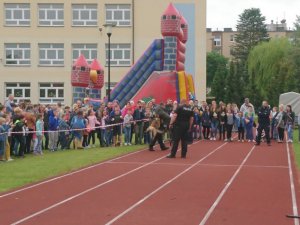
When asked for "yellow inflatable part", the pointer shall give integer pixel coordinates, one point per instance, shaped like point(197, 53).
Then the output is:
point(182, 85)
point(191, 84)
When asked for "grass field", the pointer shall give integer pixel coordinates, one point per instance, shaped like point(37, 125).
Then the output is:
point(33, 168)
point(297, 147)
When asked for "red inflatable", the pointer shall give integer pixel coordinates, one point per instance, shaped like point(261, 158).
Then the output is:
point(80, 76)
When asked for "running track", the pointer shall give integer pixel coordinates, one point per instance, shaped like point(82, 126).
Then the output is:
point(218, 184)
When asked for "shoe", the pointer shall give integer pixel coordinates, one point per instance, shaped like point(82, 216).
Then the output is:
point(94, 146)
point(243, 141)
point(239, 140)
point(125, 144)
point(151, 149)
point(269, 144)
point(183, 156)
point(211, 139)
point(215, 139)
point(10, 159)
point(164, 148)
point(257, 144)
point(129, 144)
point(226, 139)
point(171, 156)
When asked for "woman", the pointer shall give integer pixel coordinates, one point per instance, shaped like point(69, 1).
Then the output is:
point(279, 121)
point(249, 121)
point(222, 121)
point(214, 121)
point(206, 123)
point(290, 119)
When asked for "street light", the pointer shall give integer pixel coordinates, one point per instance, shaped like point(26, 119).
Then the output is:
point(108, 27)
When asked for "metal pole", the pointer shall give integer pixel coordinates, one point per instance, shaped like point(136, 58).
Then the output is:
point(109, 35)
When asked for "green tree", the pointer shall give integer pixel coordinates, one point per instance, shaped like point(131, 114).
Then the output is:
point(213, 60)
point(219, 83)
point(268, 67)
point(230, 84)
point(251, 30)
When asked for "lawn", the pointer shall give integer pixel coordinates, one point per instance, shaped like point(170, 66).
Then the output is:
point(32, 169)
point(296, 145)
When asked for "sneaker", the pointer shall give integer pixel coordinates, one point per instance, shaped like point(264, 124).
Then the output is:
point(125, 144)
point(239, 140)
point(211, 139)
point(94, 146)
point(243, 141)
point(226, 139)
point(10, 159)
point(164, 148)
point(171, 156)
point(129, 144)
point(215, 139)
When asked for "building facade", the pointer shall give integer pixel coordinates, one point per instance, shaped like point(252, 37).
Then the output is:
point(223, 41)
point(40, 40)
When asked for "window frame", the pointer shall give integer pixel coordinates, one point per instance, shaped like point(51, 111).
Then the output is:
point(90, 15)
point(50, 86)
point(217, 39)
point(18, 86)
point(12, 15)
point(57, 49)
point(17, 48)
point(119, 8)
point(86, 48)
point(52, 8)
point(118, 64)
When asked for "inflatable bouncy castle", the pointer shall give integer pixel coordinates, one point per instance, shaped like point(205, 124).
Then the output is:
point(160, 72)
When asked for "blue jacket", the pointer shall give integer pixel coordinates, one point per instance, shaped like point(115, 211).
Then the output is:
point(53, 122)
point(240, 121)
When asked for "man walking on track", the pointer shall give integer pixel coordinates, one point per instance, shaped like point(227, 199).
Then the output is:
point(182, 122)
point(264, 118)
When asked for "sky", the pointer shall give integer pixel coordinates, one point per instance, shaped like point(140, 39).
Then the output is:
point(225, 13)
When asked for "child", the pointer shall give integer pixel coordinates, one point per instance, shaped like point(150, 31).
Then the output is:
point(148, 117)
point(222, 121)
point(290, 119)
point(299, 127)
point(249, 123)
point(127, 126)
point(7, 127)
point(116, 118)
point(86, 132)
point(39, 126)
point(78, 125)
point(104, 133)
point(206, 123)
point(2, 138)
point(241, 126)
point(214, 125)
point(230, 122)
point(19, 136)
point(92, 122)
point(64, 132)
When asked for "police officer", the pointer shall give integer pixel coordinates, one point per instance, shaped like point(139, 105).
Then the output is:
point(264, 118)
point(182, 124)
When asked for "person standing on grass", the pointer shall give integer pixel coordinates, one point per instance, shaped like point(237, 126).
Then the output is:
point(127, 126)
point(299, 127)
point(280, 125)
point(39, 126)
point(290, 120)
point(264, 119)
point(182, 121)
point(53, 130)
point(2, 138)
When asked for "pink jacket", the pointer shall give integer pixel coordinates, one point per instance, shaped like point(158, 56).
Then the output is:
point(92, 121)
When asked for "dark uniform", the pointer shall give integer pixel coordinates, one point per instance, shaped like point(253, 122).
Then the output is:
point(264, 124)
point(181, 128)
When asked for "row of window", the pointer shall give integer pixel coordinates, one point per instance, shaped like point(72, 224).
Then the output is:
point(53, 14)
point(48, 92)
point(19, 54)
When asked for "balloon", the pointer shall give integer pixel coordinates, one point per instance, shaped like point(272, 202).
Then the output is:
point(93, 76)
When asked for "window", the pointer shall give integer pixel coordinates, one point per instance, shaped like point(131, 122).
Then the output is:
point(51, 92)
point(217, 40)
point(51, 14)
point(84, 15)
point(21, 91)
point(232, 38)
point(88, 50)
point(120, 54)
point(51, 54)
point(17, 54)
point(119, 14)
point(17, 14)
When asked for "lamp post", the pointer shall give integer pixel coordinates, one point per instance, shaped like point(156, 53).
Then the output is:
point(108, 27)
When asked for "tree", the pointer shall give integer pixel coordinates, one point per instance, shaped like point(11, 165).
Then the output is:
point(251, 30)
point(268, 68)
point(213, 60)
point(296, 36)
point(219, 83)
point(230, 83)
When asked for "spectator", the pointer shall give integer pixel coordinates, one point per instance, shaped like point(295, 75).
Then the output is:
point(53, 129)
point(10, 103)
point(290, 120)
point(127, 126)
point(138, 116)
point(279, 123)
point(246, 105)
point(39, 134)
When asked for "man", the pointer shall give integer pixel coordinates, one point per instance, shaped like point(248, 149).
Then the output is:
point(138, 116)
point(245, 106)
point(264, 118)
point(182, 122)
point(9, 103)
point(164, 119)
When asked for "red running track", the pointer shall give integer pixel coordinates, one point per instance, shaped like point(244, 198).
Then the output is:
point(219, 183)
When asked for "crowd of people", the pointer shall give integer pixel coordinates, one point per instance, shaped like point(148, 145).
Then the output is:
point(27, 128)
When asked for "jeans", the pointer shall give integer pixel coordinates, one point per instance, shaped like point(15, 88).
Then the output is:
point(214, 129)
point(53, 139)
point(19, 145)
point(2, 147)
point(105, 137)
point(127, 131)
point(38, 147)
point(290, 131)
point(139, 133)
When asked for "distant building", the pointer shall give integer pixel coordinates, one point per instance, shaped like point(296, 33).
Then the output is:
point(222, 41)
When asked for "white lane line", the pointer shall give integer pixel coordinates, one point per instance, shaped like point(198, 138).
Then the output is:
point(293, 192)
point(69, 174)
point(86, 191)
point(214, 205)
point(162, 186)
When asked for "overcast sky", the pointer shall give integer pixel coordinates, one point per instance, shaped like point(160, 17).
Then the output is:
point(224, 13)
